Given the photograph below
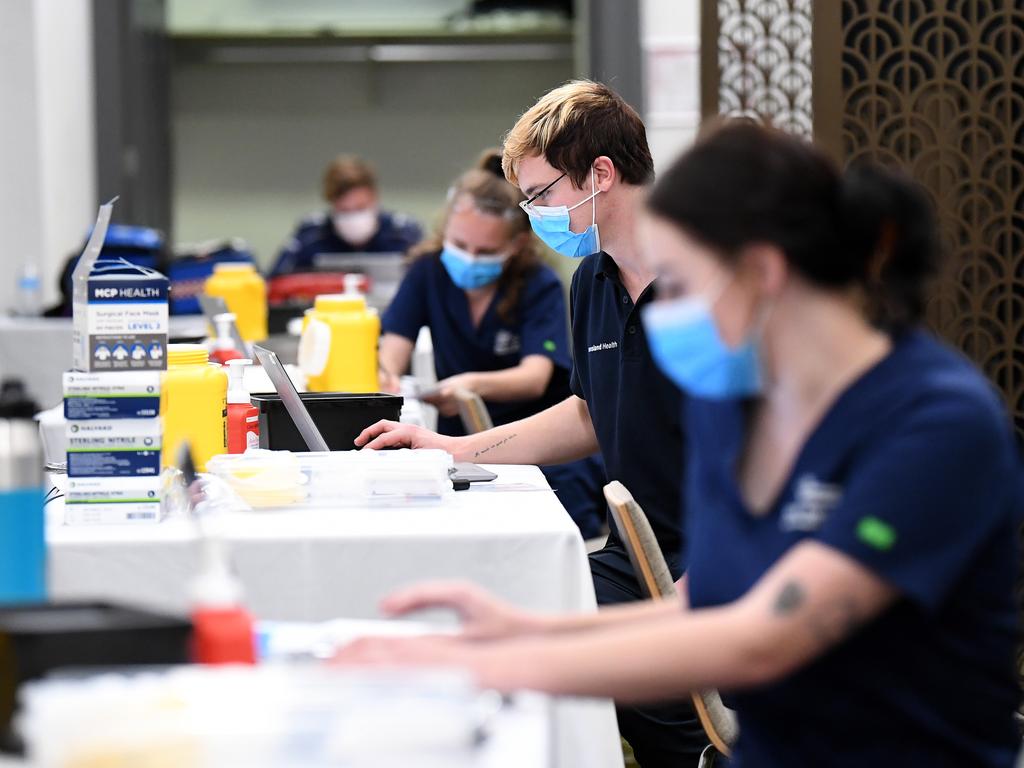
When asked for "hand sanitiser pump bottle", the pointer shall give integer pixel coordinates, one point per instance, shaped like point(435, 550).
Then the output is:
point(243, 416)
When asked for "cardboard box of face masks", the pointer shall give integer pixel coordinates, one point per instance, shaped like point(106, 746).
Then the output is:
point(112, 500)
point(120, 395)
point(120, 318)
point(119, 309)
point(114, 448)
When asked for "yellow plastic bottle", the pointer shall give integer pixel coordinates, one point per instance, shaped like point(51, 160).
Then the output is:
point(193, 405)
point(338, 349)
point(245, 293)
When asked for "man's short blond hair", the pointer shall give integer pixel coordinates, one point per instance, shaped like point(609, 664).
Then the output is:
point(573, 125)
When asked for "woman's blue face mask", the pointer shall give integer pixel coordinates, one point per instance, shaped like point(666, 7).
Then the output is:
point(469, 272)
point(689, 350)
point(551, 224)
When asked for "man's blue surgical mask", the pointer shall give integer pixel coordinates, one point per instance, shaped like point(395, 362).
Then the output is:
point(551, 223)
point(468, 271)
point(689, 350)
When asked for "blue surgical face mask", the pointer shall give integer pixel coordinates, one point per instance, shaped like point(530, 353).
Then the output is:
point(551, 223)
point(468, 271)
point(689, 350)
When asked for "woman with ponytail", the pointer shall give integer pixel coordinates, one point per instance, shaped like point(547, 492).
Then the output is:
point(853, 485)
point(497, 319)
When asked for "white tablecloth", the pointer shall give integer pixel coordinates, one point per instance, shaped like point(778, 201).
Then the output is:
point(312, 565)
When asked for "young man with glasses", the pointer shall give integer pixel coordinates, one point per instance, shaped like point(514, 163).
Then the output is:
point(580, 156)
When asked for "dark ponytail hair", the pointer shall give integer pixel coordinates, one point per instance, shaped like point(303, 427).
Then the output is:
point(872, 228)
point(490, 160)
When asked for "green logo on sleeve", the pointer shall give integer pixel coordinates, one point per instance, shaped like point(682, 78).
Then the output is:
point(549, 346)
point(876, 533)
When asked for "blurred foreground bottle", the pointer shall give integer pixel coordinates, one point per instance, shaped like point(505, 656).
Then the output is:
point(22, 529)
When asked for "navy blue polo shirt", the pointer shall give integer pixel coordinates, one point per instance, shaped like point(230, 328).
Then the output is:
point(914, 474)
point(428, 297)
point(636, 411)
point(396, 233)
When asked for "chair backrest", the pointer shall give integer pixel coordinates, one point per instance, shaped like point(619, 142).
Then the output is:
point(641, 544)
point(473, 412)
point(718, 721)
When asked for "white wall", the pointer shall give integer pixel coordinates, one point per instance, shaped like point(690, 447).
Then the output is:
point(21, 217)
point(47, 146)
point(250, 141)
point(670, 40)
point(67, 129)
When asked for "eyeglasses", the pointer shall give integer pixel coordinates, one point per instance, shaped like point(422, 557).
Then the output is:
point(527, 205)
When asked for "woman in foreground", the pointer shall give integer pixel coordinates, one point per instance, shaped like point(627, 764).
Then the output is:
point(853, 486)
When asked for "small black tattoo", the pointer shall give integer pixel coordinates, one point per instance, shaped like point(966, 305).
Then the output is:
point(790, 598)
point(498, 444)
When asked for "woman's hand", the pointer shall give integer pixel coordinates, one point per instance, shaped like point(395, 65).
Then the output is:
point(445, 398)
point(488, 664)
point(483, 616)
point(427, 650)
point(392, 434)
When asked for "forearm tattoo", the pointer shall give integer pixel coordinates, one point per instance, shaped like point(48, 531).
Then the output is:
point(829, 622)
point(498, 444)
point(790, 598)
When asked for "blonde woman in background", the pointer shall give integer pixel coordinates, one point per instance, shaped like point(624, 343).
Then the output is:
point(497, 317)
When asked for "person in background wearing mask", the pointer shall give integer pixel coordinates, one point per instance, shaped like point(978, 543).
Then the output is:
point(354, 222)
point(581, 159)
point(497, 317)
point(854, 497)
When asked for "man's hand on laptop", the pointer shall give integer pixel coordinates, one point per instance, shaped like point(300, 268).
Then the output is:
point(392, 434)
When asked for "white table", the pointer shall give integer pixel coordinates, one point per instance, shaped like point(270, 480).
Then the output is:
point(313, 565)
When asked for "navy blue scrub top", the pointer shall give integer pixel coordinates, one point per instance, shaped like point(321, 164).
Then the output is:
point(428, 297)
point(396, 233)
point(636, 411)
point(914, 474)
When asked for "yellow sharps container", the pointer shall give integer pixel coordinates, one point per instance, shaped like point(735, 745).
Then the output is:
point(245, 293)
point(338, 349)
point(193, 405)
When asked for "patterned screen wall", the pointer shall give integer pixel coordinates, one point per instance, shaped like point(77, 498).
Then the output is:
point(934, 86)
point(937, 88)
point(764, 56)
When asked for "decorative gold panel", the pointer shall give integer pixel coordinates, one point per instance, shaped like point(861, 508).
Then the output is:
point(764, 62)
point(938, 89)
point(933, 86)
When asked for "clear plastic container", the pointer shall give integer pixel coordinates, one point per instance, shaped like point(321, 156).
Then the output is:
point(275, 479)
point(261, 478)
point(299, 716)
